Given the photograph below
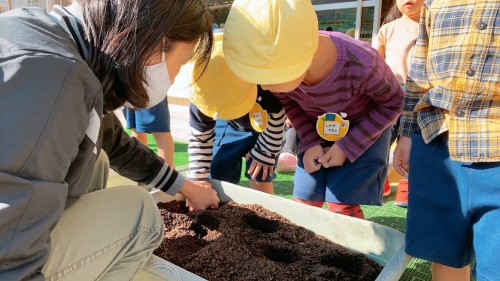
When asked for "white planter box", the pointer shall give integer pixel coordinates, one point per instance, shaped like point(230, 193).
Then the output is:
point(382, 244)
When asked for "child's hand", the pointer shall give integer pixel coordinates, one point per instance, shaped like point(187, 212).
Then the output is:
point(401, 159)
point(311, 157)
point(333, 157)
point(256, 166)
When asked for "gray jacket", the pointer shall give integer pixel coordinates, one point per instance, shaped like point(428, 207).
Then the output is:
point(52, 128)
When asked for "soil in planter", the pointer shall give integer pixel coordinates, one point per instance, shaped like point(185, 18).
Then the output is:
point(249, 242)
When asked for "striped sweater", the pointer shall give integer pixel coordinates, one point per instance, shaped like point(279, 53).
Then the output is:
point(360, 85)
point(202, 136)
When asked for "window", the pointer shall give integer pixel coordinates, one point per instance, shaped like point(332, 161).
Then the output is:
point(357, 18)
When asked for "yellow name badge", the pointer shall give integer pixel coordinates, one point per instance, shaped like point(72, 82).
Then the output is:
point(332, 126)
point(258, 118)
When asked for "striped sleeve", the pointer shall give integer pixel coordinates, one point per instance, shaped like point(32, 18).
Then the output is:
point(200, 150)
point(200, 144)
point(168, 180)
point(384, 89)
point(269, 142)
point(417, 82)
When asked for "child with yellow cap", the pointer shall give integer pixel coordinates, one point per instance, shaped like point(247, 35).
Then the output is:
point(231, 119)
point(338, 92)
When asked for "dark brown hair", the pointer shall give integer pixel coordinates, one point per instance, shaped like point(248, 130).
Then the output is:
point(123, 34)
point(393, 14)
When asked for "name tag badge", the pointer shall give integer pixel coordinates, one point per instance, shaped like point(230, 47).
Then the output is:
point(258, 118)
point(332, 126)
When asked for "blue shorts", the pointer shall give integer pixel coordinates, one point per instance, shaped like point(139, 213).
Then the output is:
point(230, 147)
point(453, 209)
point(150, 120)
point(361, 182)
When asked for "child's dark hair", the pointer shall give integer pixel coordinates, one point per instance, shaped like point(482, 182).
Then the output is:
point(393, 14)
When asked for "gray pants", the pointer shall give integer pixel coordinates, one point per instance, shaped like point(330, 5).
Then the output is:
point(109, 234)
point(101, 173)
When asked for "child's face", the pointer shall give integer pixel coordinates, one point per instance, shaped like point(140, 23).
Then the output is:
point(410, 7)
point(284, 87)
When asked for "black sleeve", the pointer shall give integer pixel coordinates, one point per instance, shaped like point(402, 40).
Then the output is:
point(127, 156)
point(267, 101)
point(198, 120)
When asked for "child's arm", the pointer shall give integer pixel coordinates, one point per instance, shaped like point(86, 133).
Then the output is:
point(201, 143)
point(384, 89)
point(379, 42)
point(417, 84)
point(268, 143)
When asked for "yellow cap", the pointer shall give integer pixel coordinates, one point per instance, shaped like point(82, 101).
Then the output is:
point(219, 93)
point(270, 42)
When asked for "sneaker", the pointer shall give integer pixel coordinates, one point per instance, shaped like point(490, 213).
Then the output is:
point(387, 188)
point(402, 194)
point(286, 162)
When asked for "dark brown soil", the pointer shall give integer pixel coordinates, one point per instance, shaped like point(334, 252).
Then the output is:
point(248, 242)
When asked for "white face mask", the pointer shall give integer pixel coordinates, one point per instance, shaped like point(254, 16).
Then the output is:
point(158, 82)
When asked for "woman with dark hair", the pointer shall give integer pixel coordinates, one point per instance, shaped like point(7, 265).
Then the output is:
point(61, 76)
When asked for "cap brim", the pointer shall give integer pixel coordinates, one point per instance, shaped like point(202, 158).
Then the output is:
point(264, 76)
point(230, 111)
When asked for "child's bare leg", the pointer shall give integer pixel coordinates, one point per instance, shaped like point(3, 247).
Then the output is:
point(165, 144)
point(141, 137)
point(266, 187)
point(445, 273)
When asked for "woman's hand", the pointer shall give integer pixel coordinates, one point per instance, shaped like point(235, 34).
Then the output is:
point(199, 195)
point(401, 159)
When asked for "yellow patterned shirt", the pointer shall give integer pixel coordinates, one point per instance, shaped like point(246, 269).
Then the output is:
point(454, 79)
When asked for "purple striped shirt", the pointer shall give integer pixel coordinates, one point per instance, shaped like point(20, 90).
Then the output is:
point(360, 85)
